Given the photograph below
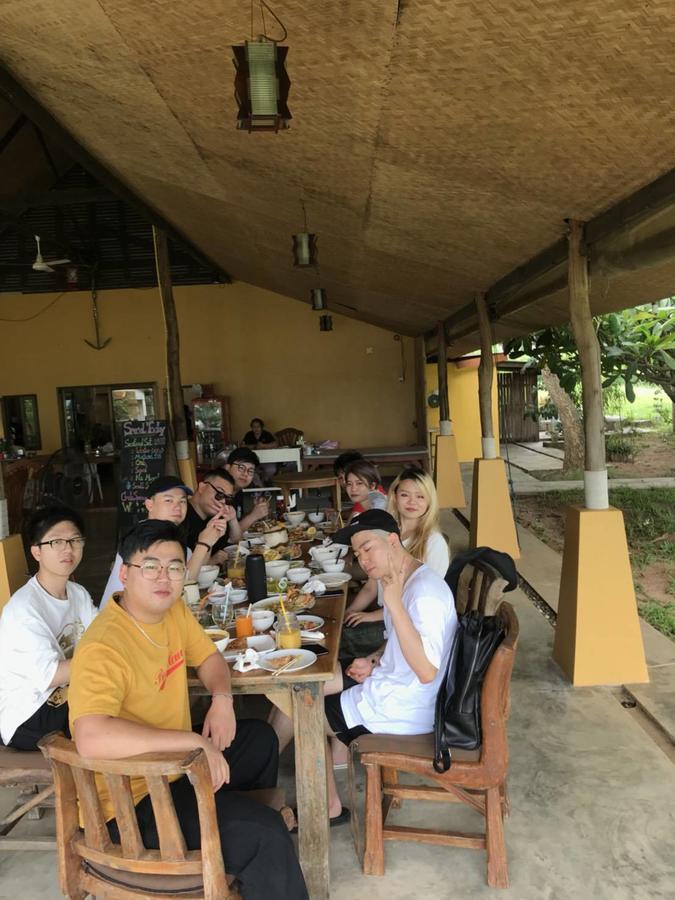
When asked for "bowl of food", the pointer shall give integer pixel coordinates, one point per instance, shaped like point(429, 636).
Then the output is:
point(207, 575)
point(298, 575)
point(316, 517)
point(238, 595)
point(333, 565)
point(263, 619)
point(276, 568)
point(323, 554)
point(295, 518)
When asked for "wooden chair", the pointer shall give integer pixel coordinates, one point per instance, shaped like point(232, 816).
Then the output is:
point(89, 862)
point(288, 437)
point(476, 778)
point(480, 588)
point(32, 774)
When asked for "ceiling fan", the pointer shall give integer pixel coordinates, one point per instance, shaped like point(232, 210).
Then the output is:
point(45, 265)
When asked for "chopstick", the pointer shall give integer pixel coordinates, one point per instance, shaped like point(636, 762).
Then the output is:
point(205, 599)
point(284, 667)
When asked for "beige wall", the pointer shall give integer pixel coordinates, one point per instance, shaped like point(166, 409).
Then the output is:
point(263, 350)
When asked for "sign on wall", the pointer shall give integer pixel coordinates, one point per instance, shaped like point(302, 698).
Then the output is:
point(142, 459)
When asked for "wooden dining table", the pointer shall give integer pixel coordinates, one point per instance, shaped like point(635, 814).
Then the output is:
point(300, 696)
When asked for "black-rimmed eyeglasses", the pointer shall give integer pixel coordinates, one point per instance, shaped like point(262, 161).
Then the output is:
point(60, 543)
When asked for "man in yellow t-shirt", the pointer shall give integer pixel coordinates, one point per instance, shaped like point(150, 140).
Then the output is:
point(129, 695)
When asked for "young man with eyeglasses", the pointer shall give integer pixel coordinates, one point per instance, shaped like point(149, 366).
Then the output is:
point(129, 695)
point(39, 628)
point(242, 464)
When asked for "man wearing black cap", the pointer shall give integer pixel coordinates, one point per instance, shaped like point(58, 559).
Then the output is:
point(393, 691)
point(167, 500)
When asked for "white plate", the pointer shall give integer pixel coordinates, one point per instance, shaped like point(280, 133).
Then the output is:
point(333, 579)
point(305, 658)
point(268, 601)
point(306, 620)
point(260, 642)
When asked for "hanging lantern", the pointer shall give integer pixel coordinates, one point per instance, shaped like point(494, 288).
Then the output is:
point(304, 249)
point(318, 297)
point(261, 86)
point(72, 278)
point(325, 323)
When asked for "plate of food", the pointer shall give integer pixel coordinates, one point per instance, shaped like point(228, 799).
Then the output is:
point(310, 623)
point(260, 642)
point(302, 533)
point(294, 601)
point(288, 660)
point(333, 579)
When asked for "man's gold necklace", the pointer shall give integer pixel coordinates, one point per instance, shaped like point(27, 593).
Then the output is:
point(146, 635)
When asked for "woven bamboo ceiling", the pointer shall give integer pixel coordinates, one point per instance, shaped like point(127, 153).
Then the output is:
point(438, 145)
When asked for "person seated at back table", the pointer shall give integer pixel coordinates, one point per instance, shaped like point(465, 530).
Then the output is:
point(214, 497)
point(242, 464)
point(167, 501)
point(129, 695)
point(413, 502)
point(364, 487)
point(393, 690)
point(39, 628)
point(341, 463)
point(257, 438)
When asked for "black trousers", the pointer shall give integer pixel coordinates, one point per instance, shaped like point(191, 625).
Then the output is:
point(257, 847)
point(43, 721)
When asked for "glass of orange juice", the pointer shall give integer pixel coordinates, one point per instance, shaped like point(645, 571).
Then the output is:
point(243, 623)
point(288, 632)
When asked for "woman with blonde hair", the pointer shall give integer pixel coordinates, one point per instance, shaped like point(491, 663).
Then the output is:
point(413, 502)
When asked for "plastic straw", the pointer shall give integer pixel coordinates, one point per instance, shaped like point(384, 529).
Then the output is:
point(283, 609)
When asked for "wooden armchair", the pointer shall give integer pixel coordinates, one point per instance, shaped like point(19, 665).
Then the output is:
point(479, 588)
point(476, 778)
point(89, 862)
point(288, 437)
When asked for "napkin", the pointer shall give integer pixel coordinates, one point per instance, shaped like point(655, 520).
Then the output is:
point(314, 586)
point(247, 660)
point(315, 636)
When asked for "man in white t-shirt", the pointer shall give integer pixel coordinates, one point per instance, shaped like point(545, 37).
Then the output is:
point(392, 691)
point(39, 628)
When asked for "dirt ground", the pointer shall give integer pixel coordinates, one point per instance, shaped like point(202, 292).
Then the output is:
point(653, 575)
point(655, 456)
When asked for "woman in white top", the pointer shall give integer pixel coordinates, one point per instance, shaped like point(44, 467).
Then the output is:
point(413, 502)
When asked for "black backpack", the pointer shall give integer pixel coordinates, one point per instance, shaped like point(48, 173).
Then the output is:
point(457, 719)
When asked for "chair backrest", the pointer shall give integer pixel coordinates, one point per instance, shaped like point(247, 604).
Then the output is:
point(74, 780)
point(495, 697)
point(288, 437)
point(480, 588)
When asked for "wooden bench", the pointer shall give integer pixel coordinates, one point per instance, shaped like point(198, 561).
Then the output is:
point(32, 774)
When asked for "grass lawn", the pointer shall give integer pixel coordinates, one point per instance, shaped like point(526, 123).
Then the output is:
point(650, 529)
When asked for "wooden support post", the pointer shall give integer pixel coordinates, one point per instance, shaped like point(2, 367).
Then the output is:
point(420, 392)
point(447, 474)
point(597, 638)
point(485, 376)
point(175, 391)
point(492, 522)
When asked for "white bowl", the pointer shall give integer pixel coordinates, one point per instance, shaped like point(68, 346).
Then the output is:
point(276, 568)
point(321, 554)
point(333, 565)
point(295, 518)
point(342, 550)
point(262, 619)
point(207, 575)
point(261, 642)
point(316, 517)
point(238, 595)
point(298, 576)
point(275, 537)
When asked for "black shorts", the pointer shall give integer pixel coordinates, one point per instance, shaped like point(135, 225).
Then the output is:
point(335, 716)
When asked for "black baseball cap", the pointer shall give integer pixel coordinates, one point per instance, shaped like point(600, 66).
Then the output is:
point(370, 520)
point(166, 483)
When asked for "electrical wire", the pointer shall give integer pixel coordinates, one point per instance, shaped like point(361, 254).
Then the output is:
point(35, 315)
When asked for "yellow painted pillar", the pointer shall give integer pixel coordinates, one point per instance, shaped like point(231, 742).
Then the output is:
point(13, 567)
point(447, 474)
point(492, 523)
point(597, 637)
point(188, 472)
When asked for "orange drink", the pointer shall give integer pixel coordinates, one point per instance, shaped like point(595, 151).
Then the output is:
point(243, 624)
point(288, 633)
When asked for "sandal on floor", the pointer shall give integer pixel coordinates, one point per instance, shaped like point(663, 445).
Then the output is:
point(344, 817)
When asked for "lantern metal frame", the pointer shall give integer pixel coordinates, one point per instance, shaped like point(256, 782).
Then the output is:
point(305, 250)
point(247, 119)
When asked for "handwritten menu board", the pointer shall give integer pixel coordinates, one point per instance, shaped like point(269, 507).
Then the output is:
point(141, 461)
